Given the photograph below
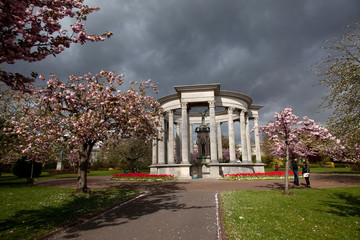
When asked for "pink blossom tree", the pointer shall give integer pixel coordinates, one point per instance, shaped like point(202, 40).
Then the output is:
point(85, 111)
point(226, 154)
point(290, 137)
point(31, 30)
point(343, 150)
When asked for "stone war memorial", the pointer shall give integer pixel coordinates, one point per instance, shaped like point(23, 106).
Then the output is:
point(189, 142)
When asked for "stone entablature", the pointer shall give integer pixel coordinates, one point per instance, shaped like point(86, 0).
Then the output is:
point(176, 150)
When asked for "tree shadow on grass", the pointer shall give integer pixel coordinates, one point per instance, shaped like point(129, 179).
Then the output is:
point(344, 205)
point(35, 222)
point(280, 186)
point(12, 181)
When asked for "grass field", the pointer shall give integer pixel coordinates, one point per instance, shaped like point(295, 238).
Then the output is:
point(9, 177)
point(27, 212)
point(332, 213)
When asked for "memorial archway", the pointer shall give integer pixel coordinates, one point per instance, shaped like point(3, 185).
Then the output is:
point(173, 148)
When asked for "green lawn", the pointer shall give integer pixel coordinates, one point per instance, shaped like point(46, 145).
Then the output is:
point(45, 175)
point(9, 177)
point(332, 213)
point(28, 212)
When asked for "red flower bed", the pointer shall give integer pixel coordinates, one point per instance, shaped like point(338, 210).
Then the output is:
point(252, 176)
point(142, 177)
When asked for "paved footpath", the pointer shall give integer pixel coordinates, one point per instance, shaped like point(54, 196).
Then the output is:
point(174, 215)
point(172, 210)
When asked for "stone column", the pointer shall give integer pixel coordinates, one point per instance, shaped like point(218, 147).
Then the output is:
point(171, 159)
point(161, 153)
point(244, 154)
point(184, 134)
point(231, 135)
point(154, 151)
point(219, 141)
point(191, 142)
point(248, 140)
point(178, 144)
point(213, 151)
point(166, 137)
point(257, 140)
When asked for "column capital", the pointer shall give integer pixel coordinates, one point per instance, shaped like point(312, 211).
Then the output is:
point(184, 105)
point(211, 103)
point(230, 110)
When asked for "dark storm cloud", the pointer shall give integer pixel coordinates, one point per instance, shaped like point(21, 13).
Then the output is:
point(260, 48)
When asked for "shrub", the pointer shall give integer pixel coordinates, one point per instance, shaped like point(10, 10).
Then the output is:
point(329, 164)
point(49, 165)
point(356, 167)
point(279, 162)
point(342, 165)
point(315, 165)
point(263, 159)
point(22, 168)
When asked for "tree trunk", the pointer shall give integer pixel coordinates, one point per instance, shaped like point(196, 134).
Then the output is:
point(82, 177)
point(30, 180)
point(286, 190)
point(132, 163)
point(84, 161)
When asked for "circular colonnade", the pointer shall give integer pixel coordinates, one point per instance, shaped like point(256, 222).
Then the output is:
point(173, 149)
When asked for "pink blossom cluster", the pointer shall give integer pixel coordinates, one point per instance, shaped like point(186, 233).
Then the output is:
point(344, 150)
point(31, 30)
point(226, 154)
point(304, 138)
point(87, 110)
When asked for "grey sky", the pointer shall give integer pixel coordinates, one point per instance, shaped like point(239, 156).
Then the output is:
point(263, 49)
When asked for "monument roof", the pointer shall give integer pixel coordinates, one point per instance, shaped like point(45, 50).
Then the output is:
point(198, 88)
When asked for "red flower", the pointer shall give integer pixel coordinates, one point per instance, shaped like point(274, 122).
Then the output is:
point(141, 175)
point(273, 174)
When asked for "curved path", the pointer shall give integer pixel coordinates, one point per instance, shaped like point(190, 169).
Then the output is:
point(183, 209)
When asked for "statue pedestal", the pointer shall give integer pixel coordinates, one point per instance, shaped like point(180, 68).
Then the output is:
point(59, 165)
point(180, 171)
point(206, 171)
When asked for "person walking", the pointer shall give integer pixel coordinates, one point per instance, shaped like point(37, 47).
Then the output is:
point(306, 173)
point(276, 167)
point(295, 169)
